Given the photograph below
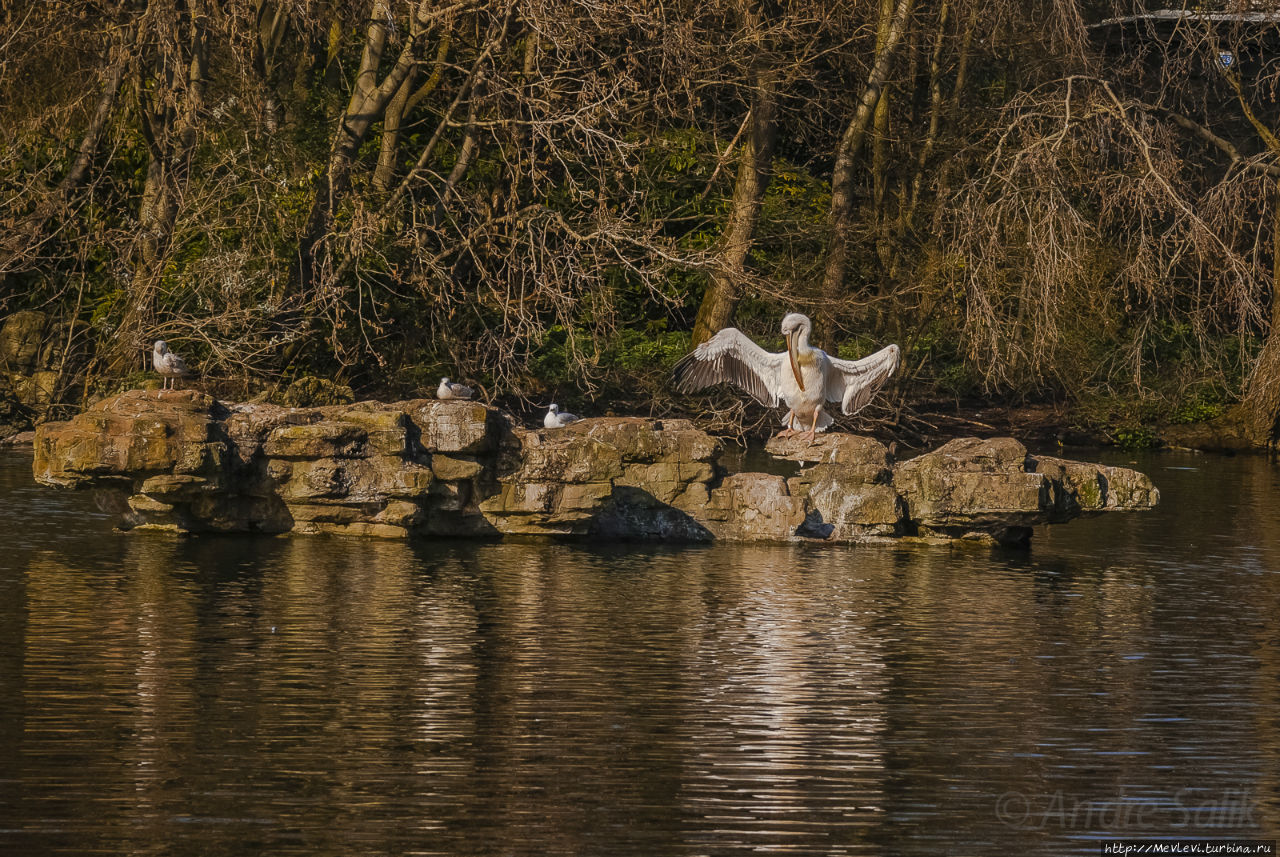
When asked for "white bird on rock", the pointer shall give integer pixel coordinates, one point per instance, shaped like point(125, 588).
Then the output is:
point(168, 365)
point(453, 390)
point(802, 376)
point(556, 418)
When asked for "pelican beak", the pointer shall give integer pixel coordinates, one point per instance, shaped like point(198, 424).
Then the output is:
point(791, 355)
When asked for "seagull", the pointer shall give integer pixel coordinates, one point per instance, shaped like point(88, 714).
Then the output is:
point(170, 366)
point(802, 376)
point(557, 419)
point(453, 390)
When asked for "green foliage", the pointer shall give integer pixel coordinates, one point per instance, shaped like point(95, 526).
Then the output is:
point(1131, 423)
point(628, 356)
point(643, 351)
point(101, 387)
point(1199, 405)
point(1134, 437)
point(958, 380)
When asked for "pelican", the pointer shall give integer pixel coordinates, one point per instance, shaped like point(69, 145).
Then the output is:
point(802, 376)
point(168, 365)
point(453, 390)
point(556, 418)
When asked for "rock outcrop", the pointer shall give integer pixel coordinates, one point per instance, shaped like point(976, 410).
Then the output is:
point(182, 461)
point(971, 488)
point(29, 352)
point(30, 349)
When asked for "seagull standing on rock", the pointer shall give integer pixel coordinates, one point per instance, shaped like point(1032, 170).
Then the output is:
point(556, 418)
point(453, 390)
point(168, 365)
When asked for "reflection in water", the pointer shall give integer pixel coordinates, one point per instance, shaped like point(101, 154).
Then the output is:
point(323, 696)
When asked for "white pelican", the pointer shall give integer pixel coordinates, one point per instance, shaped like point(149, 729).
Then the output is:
point(453, 390)
point(802, 376)
point(556, 418)
point(168, 365)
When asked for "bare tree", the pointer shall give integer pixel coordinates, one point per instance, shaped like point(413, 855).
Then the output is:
point(894, 21)
point(755, 162)
point(369, 99)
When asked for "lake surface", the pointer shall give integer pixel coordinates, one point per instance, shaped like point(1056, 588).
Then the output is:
point(320, 696)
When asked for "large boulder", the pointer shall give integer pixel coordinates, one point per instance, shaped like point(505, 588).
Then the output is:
point(618, 476)
point(846, 488)
point(866, 457)
point(754, 507)
point(973, 488)
point(133, 436)
point(986, 489)
point(1083, 488)
point(843, 506)
point(455, 426)
point(30, 350)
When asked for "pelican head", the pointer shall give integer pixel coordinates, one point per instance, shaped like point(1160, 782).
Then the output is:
point(794, 322)
point(796, 327)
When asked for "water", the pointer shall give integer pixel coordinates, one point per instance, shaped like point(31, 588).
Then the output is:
point(315, 696)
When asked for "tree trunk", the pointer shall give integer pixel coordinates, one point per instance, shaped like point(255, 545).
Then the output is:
point(935, 121)
point(170, 123)
point(1261, 402)
point(272, 21)
point(880, 122)
point(405, 99)
point(369, 99)
point(962, 64)
point(17, 248)
point(842, 175)
point(391, 119)
point(754, 172)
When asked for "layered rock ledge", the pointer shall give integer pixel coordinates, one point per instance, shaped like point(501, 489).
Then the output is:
point(181, 461)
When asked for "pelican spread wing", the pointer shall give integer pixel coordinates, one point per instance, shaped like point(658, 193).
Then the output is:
point(730, 357)
point(854, 382)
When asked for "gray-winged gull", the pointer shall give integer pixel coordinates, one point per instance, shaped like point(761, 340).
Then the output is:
point(453, 390)
point(557, 418)
point(168, 365)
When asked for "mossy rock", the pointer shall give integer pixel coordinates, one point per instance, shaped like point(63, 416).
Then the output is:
point(312, 392)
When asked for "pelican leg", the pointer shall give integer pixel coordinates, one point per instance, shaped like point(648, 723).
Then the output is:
point(813, 430)
point(791, 425)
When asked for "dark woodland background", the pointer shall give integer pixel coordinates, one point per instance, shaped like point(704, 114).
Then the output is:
point(1047, 201)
